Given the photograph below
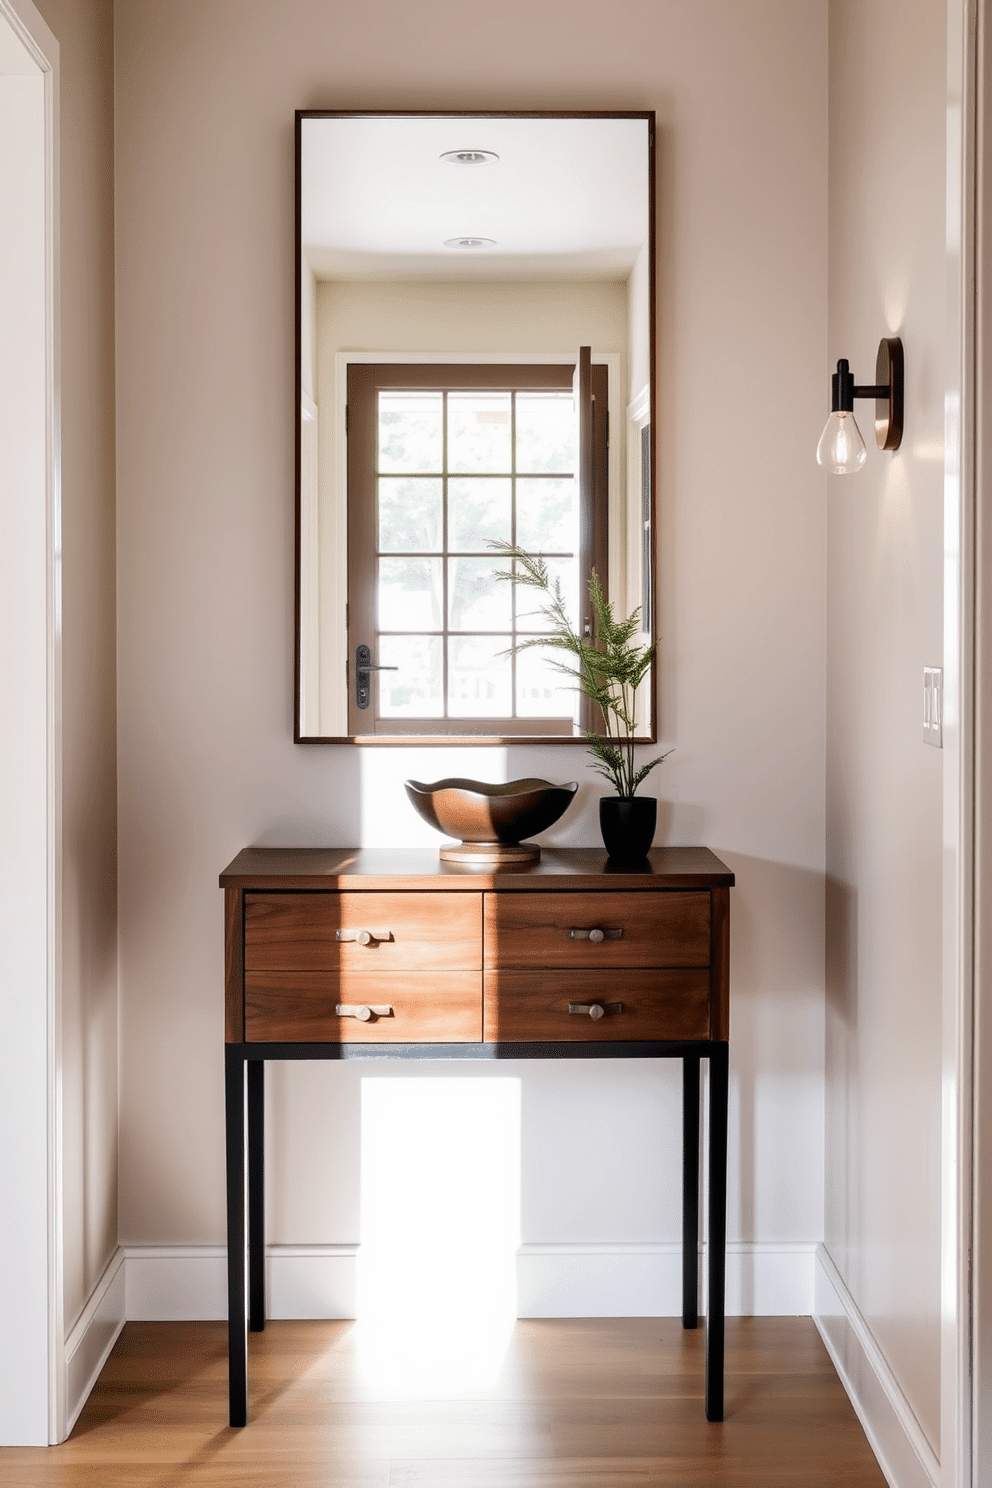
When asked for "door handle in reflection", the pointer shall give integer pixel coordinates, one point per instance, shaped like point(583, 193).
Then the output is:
point(364, 667)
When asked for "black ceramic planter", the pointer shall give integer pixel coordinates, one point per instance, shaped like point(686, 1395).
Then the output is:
point(627, 824)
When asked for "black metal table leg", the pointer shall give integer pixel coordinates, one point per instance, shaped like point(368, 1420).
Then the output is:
point(237, 1333)
point(717, 1238)
point(690, 1190)
point(256, 1195)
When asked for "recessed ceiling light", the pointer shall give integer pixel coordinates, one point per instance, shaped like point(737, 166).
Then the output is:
point(470, 157)
point(470, 242)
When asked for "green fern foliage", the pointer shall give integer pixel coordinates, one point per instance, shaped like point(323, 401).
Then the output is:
point(607, 668)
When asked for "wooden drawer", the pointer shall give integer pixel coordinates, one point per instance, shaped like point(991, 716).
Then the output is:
point(532, 1006)
point(657, 929)
point(300, 932)
point(428, 1007)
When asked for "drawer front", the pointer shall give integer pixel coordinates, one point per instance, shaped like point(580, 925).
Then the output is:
point(426, 1007)
point(533, 1006)
point(656, 929)
point(326, 931)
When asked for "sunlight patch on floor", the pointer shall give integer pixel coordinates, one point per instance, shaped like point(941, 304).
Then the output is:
point(440, 1175)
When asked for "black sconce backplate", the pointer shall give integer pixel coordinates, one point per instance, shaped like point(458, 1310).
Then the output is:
point(888, 408)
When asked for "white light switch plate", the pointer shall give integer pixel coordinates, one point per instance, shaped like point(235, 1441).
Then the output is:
point(933, 706)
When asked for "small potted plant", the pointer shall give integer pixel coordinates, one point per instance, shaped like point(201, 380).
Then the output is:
point(607, 668)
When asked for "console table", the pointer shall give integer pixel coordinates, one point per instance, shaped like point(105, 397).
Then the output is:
point(343, 953)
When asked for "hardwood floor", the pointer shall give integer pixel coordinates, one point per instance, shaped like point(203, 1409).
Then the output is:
point(587, 1403)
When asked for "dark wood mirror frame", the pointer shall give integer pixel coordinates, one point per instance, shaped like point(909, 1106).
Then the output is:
point(651, 605)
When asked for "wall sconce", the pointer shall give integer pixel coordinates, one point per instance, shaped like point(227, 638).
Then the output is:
point(841, 448)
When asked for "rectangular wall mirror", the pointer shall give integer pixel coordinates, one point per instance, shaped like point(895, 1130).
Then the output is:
point(476, 345)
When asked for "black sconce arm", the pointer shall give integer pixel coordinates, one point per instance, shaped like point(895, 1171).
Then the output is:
point(887, 391)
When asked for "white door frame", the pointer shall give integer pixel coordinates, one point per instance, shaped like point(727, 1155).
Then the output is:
point(32, 1339)
point(979, 1133)
point(966, 1338)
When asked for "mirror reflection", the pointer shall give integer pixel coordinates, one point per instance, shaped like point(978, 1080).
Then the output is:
point(475, 332)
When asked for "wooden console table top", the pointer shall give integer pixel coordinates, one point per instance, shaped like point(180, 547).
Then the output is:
point(383, 868)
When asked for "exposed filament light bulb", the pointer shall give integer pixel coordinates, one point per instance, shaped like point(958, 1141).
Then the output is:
point(841, 449)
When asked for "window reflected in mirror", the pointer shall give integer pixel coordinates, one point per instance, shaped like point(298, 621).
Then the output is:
point(460, 457)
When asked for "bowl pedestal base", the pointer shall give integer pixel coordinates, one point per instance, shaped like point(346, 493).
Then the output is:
point(492, 853)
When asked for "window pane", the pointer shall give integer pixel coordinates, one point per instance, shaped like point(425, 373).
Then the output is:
point(409, 594)
point(547, 516)
point(530, 602)
point(479, 678)
point(409, 514)
point(546, 432)
point(477, 511)
point(414, 689)
point(479, 432)
point(410, 431)
point(542, 690)
point(477, 600)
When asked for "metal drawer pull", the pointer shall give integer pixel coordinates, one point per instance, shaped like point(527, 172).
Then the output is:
point(596, 935)
point(364, 1014)
point(595, 1009)
point(364, 937)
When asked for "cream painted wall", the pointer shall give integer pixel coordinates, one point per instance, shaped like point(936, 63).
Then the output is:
point(885, 552)
point(460, 316)
point(84, 30)
point(398, 316)
point(205, 96)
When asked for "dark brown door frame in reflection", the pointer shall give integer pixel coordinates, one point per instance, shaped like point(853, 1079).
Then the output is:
point(365, 381)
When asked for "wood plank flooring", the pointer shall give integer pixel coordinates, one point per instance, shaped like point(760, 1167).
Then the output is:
point(576, 1403)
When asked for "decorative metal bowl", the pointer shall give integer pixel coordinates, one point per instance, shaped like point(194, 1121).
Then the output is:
point(491, 820)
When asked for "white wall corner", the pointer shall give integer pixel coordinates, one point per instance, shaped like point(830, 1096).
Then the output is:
point(601, 1279)
point(92, 1336)
point(896, 1436)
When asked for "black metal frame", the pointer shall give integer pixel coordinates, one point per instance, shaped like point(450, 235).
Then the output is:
point(245, 1116)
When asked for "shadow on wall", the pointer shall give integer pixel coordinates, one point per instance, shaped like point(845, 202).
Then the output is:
point(328, 811)
point(776, 1045)
point(841, 958)
point(89, 1050)
point(182, 830)
point(842, 1072)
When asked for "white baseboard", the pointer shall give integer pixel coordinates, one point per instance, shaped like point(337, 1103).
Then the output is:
point(896, 1436)
point(764, 1279)
point(312, 1281)
point(92, 1337)
point(179, 1283)
point(174, 1283)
